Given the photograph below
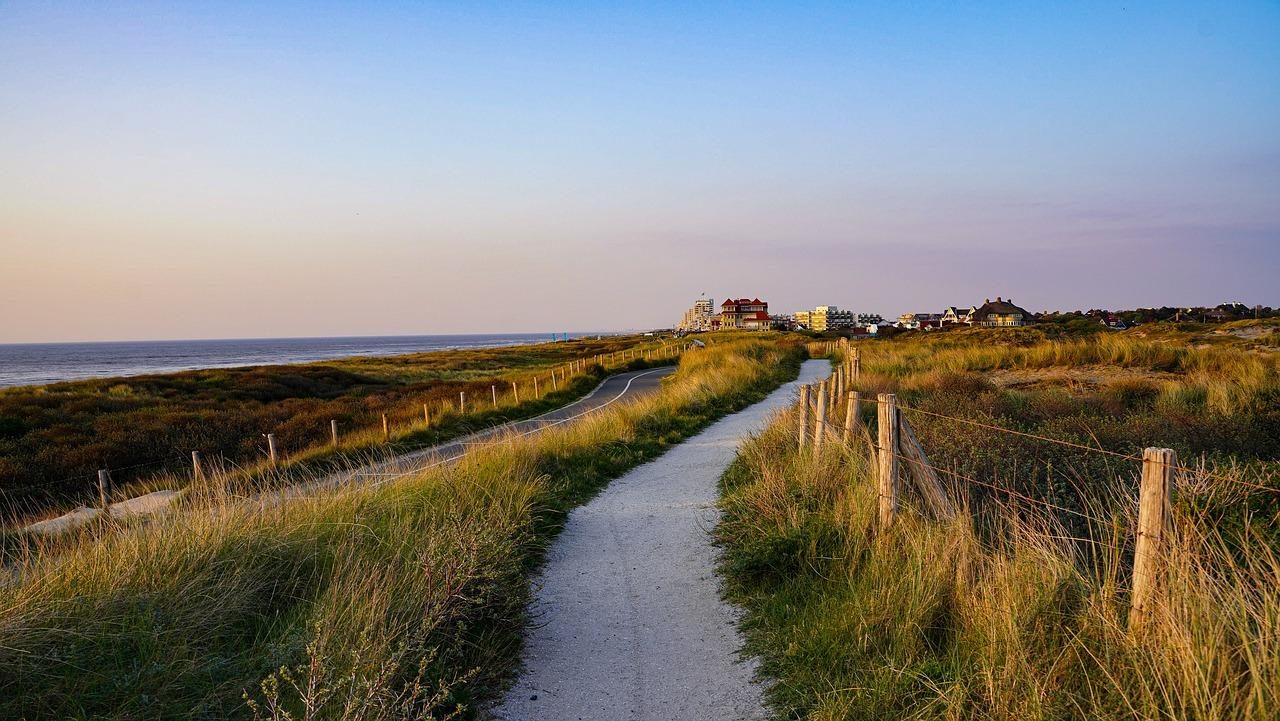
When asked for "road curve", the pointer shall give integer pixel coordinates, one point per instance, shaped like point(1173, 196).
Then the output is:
point(615, 388)
point(628, 619)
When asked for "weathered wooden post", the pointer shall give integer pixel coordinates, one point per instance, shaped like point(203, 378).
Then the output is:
point(426, 414)
point(820, 421)
point(536, 392)
point(272, 454)
point(554, 386)
point(1158, 465)
point(887, 420)
point(333, 432)
point(804, 414)
point(197, 467)
point(386, 428)
point(852, 416)
point(494, 390)
point(104, 490)
point(928, 484)
point(857, 364)
point(462, 401)
point(515, 391)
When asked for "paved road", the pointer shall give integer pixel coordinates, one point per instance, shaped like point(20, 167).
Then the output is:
point(615, 388)
point(628, 620)
point(623, 386)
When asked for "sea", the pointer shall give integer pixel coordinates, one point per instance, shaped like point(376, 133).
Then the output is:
point(25, 364)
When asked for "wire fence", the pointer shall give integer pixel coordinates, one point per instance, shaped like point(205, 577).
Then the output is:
point(823, 417)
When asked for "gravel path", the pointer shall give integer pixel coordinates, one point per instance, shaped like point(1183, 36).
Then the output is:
point(629, 623)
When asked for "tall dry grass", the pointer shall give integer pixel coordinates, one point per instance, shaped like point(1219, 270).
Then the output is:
point(404, 600)
point(998, 615)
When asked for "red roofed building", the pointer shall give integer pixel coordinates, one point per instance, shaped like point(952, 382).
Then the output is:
point(744, 314)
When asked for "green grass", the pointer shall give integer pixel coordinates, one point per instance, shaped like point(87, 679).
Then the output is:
point(1003, 613)
point(54, 438)
point(408, 599)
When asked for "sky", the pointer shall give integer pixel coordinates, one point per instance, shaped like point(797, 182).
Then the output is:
point(226, 170)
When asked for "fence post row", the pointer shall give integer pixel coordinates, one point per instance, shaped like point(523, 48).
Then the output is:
point(1158, 465)
point(887, 457)
point(804, 414)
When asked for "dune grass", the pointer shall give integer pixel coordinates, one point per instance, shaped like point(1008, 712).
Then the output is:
point(54, 438)
point(400, 601)
point(1014, 611)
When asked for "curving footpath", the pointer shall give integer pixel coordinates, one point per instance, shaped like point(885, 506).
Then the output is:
point(628, 619)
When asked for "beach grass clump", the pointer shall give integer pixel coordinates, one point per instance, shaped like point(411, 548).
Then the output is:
point(400, 600)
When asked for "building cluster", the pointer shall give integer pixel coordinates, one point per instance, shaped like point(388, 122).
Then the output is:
point(829, 317)
point(735, 314)
point(998, 313)
point(753, 314)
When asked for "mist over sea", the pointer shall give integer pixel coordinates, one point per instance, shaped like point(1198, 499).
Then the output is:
point(39, 363)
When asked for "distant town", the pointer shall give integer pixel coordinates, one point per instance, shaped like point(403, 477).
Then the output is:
point(753, 314)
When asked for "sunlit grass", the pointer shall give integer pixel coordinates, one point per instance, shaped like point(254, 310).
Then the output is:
point(1004, 621)
point(410, 594)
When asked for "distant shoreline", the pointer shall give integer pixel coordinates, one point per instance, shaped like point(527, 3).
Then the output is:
point(37, 364)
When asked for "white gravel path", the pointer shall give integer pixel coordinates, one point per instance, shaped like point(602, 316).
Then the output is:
point(629, 620)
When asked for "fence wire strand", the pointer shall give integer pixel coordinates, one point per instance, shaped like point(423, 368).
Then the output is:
point(1201, 472)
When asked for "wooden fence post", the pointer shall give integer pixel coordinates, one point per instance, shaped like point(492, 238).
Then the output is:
point(272, 453)
point(820, 421)
point(928, 484)
point(851, 416)
point(426, 414)
point(536, 393)
point(515, 391)
point(104, 490)
point(887, 420)
point(1158, 465)
point(857, 364)
point(197, 467)
point(494, 390)
point(333, 432)
point(804, 414)
point(554, 386)
point(462, 401)
point(386, 428)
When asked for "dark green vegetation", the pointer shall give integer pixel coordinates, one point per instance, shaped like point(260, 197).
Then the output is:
point(1015, 610)
point(396, 602)
point(54, 438)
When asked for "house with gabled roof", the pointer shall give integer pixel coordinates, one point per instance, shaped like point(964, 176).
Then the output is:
point(744, 314)
point(958, 314)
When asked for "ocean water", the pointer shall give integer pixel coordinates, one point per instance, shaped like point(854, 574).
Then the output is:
point(39, 363)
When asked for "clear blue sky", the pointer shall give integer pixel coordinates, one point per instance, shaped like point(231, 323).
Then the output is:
point(229, 170)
